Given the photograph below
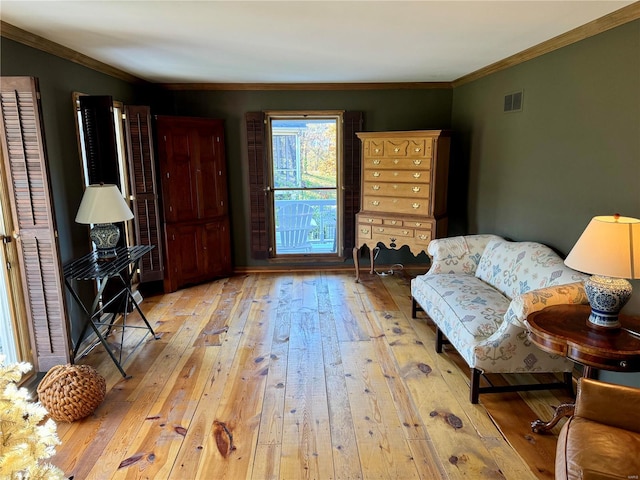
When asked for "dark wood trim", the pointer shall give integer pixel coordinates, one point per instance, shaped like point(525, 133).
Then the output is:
point(40, 43)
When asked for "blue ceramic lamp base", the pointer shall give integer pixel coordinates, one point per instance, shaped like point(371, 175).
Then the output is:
point(606, 296)
point(105, 236)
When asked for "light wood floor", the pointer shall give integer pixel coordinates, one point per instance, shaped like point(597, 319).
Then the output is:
point(297, 376)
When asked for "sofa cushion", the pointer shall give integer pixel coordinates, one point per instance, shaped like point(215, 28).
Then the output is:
point(469, 310)
point(518, 267)
point(457, 254)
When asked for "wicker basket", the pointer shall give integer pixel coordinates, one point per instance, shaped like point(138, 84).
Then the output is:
point(71, 392)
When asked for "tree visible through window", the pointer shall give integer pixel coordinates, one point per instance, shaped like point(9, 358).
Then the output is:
point(305, 183)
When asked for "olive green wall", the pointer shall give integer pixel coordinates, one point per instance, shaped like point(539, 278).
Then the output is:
point(383, 110)
point(58, 80)
point(572, 153)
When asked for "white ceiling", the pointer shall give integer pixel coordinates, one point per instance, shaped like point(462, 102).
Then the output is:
point(301, 41)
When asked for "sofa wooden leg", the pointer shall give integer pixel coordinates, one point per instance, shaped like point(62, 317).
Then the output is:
point(414, 307)
point(439, 340)
point(474, 394)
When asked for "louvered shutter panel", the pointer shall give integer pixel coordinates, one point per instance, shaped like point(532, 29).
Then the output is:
point(28, 183)
point(100, 139)
point(257, 185)
point(142, 173)
point(352, 123)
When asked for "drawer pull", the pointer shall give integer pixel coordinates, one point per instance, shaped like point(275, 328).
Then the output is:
point(380, 229)
point(395, 187)
point(375, 203)
point(623, 363)
point(417, 149)
point(416, 205)
point(364, 230)
point(393, 222)
point(376, 174)
point(377, 150)
point(417, 175)
point(396, 161)
point(418, 224)
point(376, 162)
point(416, 189)
point(395, 174)
point(370, 220)
point(422, 237)
point(396, 150)
point(405, 232)
point(376, 187)
point(417, 162)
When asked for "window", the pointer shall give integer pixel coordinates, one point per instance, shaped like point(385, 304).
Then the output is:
point(304, 183)
point(119, 147)
point(259, 167)
point(116, 146)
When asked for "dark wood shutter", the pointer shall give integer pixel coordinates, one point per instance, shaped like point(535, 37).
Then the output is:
point(25, 162)
point(100, 139)
point(257, 185)
point(142, 173)
point(352, 123)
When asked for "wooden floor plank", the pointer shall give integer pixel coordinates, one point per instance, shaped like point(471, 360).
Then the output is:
point(230, 448)
point(343, 436)
point(300, 375)
point(382, 445)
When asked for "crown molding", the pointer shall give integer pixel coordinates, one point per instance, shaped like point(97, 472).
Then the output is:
point(40, 43)
point(614, 19)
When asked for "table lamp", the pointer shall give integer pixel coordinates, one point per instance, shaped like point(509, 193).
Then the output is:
point(101, 205)
point(609, 249)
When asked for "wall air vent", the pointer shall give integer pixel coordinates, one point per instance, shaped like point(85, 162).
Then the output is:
point(513, 101)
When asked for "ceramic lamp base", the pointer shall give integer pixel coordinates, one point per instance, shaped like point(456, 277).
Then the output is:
point(606, 296)
point(105, 236)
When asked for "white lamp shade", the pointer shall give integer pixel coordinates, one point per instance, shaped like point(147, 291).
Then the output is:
point(103, 204)
point(609, 246)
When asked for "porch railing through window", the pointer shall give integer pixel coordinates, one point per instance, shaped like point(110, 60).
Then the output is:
point(321, 233)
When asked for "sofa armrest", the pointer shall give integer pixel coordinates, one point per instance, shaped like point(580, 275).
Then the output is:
point(527, 303)
point(609, 404)
point(457, 254)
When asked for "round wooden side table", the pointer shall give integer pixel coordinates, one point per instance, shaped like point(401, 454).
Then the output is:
point(565, 330)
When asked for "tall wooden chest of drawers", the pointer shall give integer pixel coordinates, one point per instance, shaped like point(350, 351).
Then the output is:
point(404, 190)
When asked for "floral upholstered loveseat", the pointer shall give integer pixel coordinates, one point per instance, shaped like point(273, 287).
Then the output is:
point(478, 292)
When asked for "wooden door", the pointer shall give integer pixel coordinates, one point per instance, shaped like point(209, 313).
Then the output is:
point(186, 256)
point(216, 244)
point(194, 190)
point(178, 168)
point(212, 169)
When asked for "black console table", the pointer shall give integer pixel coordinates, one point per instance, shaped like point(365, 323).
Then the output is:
point(89, 268)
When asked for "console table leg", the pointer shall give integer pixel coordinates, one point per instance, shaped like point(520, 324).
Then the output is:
point(563, 410)
point(372, 257)
point(356, 252)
